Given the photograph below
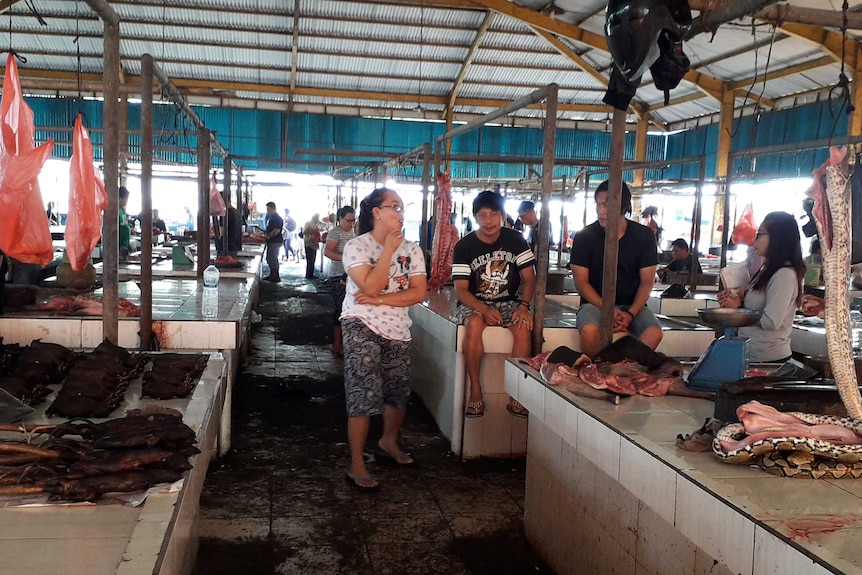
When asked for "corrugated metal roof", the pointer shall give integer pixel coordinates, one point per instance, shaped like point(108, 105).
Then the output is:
point(375, 48)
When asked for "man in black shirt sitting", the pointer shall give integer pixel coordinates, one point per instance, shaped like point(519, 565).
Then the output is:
point(681, 263)
point(636, 266)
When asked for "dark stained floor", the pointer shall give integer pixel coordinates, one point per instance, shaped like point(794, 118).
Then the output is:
point(279, 503)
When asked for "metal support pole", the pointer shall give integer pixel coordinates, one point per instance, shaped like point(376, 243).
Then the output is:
point(204, 152)
point(147, 202)
point(426, 184)
point(698, 213)
point(725, 222)
point(609, 278)
point(171, 90)
point(562, 220)
point(548, 152)
point(111, 163)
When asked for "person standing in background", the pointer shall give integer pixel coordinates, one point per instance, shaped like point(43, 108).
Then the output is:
point(649, 215)
point(53, 216)
point(289, 229)
point(190, 220)
point(386, 275)
point(125, 230)
point(159, 226)
point(274, 240)
point(311, 238)
point(335, 242)
point(527, 216)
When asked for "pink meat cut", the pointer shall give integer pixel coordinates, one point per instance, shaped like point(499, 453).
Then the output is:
point(765, 422)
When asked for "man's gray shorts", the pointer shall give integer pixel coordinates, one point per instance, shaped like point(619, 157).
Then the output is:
point(588, 314)
point(506, 308)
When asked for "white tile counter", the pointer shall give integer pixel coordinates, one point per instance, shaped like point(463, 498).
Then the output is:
point(159, 537)
point(608, 492)
point(177, 325)
point(439, 374)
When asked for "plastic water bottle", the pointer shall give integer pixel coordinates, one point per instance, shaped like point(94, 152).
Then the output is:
point(856, 330)
point(209, 305)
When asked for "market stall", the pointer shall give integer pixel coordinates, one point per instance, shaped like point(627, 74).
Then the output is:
point(158, 536)
point(643, 504)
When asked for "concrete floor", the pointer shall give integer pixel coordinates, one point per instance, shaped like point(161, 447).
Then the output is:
point(279, 503)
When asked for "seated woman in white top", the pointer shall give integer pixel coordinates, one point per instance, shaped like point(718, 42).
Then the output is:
point(776, 289)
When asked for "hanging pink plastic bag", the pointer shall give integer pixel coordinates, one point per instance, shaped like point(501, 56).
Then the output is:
point(87, 199)
point(745, 230)
point(216, 201)
point(24, 233)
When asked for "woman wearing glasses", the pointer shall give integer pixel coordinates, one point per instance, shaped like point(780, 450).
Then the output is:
point(776, 289)
point(386, 275)
point(335, 242)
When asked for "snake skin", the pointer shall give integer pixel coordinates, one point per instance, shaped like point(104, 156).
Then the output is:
point(805, 456)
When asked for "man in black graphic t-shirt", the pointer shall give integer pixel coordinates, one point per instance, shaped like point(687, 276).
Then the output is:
point(490, 267)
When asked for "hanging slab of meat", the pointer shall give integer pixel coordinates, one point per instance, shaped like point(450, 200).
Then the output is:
point(24, 233)
point(87, 200)
point(445, 234)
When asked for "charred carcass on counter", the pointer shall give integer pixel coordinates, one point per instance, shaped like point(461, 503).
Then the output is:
point(96, 385)
point(80, 460)
point(173, 375)
point(29, 370)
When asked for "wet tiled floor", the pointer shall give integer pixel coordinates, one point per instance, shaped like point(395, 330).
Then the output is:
point(279, 503)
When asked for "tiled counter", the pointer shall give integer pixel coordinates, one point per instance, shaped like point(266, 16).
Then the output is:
point(177, 325)
point(439, 374)
point(159, 537)
point(608, 492)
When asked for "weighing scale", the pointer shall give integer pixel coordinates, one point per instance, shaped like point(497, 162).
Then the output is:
point(726, 358)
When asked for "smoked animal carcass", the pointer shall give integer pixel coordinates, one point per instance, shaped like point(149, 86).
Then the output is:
point(173, 375)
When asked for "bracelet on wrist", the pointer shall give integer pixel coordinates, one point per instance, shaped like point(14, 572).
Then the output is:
point(631, 315)
point(524, 303)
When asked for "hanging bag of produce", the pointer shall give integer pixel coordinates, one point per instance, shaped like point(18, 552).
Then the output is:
point(216, 201)
point(24, 233)
point(745, 230)
point(87, 199)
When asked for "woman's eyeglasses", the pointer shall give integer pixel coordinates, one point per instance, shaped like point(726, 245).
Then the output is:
point(397, 207)
point(758, 235)
point(349, 220)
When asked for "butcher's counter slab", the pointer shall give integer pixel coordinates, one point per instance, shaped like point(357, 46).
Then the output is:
point(166, 268)
point(439, 375)
point(608, 492)
point(178, 324)
point(159, 537)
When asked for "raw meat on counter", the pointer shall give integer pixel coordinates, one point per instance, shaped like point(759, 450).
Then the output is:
point(83, 305)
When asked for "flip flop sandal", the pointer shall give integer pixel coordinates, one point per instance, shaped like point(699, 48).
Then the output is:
point(355, 479)
point(475, 409)
point(517, 409)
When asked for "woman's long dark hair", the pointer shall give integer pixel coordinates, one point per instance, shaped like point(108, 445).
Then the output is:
point(365, 222)
point(784, 250)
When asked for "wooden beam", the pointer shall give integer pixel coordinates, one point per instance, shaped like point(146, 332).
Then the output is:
point(6, 5)
point(641, 148)
point(294, 50)
point(751, 96)
point(571, 55)
point(829, 42)
point(797, 14)
point(855, 127)
point(707, 84)
point(468, 60)
point(789, 71)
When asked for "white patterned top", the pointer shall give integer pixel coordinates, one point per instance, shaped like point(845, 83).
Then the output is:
point(386, 321)
point(341, 237)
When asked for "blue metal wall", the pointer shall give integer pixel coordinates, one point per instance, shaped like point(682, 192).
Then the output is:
point(265, 135)
point(802, 124)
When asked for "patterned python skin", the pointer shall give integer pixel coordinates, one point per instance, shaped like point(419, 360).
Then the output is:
point(805, 456)
point(796, 456)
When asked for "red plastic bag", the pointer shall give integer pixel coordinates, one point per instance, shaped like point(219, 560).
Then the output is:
point(24, 233)
point(216, 201)
point(87, 200)
point(745, 230)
